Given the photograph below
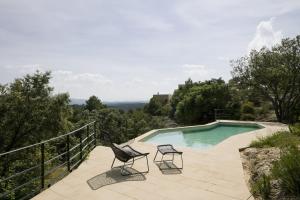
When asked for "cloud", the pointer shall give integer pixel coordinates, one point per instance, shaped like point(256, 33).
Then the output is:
point(265, 36)
point(195, 71)
point(64, 81)
point(24, 69)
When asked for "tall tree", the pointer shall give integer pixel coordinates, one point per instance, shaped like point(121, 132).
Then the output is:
point(94, 103)
point(29, 113)
point(274, 73)
point(196, 102)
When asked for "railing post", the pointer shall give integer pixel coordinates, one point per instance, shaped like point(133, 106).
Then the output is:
point(95, 134)
point(68, 152)
point(42, 165)
point(80, 139)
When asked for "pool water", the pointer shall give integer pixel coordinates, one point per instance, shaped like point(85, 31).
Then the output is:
point(200, 138)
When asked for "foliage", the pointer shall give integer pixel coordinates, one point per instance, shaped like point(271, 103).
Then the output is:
point(29, 113)
point(280, 139)
point(93, 103)
point(295, 129)
point(195, 102)
point(287, 170)
point(262, 187)
point(275, 74)
point(247, 111)
point(154, 107)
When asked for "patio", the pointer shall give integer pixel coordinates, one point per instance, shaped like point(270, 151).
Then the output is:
point(216, 173)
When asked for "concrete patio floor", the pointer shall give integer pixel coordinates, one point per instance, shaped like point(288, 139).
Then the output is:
point(216, 173)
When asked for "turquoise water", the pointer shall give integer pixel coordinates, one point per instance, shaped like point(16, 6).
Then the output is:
point(202, 138)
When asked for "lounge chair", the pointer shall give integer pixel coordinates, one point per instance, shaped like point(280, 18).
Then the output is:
point(125, 154)
point(166, 149)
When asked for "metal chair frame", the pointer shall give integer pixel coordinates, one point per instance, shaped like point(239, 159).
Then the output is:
point(166, 153)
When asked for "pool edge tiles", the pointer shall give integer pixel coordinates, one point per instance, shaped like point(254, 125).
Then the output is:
point(214, 133)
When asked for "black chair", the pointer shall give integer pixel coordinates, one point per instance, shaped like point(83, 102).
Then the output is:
point(125, 154)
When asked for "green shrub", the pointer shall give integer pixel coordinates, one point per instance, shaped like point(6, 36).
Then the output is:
point(295, 129)
point(248, 108)
point(262, 187)
point(249, 117)
point(247, 111)
point(287, 170)
point(279, 139)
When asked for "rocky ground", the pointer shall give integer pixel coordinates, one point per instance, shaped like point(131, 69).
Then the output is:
point(259, 161)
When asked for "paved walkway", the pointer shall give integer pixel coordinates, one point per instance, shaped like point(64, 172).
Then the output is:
point(208, 174)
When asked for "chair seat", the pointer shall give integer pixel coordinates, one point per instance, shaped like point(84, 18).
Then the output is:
point(130, 151)
point(168, 148)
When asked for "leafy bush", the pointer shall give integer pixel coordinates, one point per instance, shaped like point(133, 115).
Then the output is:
point(248, 108)
point(287, 170)
point(279, 139)
point(246, 117)
point(248, 111)
point(295, 129)
point(262, 187)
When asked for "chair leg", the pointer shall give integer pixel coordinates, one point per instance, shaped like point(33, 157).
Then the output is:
point(155, 156)
point(181, 162)
point(147, 164)
point(112, 163)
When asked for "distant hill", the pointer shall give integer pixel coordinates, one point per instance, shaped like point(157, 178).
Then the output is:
point(75, 101)
point(123, 105)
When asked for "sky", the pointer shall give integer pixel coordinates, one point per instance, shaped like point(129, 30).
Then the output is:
point(130, 50)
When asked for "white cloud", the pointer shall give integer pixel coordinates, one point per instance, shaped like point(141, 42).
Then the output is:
point(87, 79)
point(24, 69)
point(265, 36)
point(195, 71)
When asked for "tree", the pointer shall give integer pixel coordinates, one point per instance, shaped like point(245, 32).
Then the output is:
point(275, 74)
point(29, 113)
point(197, 103)
point(154, 107)
point(93, 103)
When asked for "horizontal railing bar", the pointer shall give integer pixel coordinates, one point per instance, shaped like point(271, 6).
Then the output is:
point(74, 156)
point(85, 155)
point(90, 142)
point(55, 168)
point(83, 148)
point(72, 167)
point(30, 194)
point(50, 160)
point(84, 139)
point(77, 145)
point(87, 145)
point(45, 141)
point(20, 173)
point(18, 187)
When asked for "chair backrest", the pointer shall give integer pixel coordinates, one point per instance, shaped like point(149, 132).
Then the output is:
point(106, 138)
point(120, 154)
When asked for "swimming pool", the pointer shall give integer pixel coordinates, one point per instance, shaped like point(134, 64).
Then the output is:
point(202, 137)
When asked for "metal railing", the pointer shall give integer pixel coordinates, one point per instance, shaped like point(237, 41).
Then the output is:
point(73, 148)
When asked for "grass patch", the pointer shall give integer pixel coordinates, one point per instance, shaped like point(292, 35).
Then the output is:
point(287, 170)
point(262, 187)
point(280, 139)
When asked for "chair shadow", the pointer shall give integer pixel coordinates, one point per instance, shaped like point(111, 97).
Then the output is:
point(168, 168)
point(114, 176)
